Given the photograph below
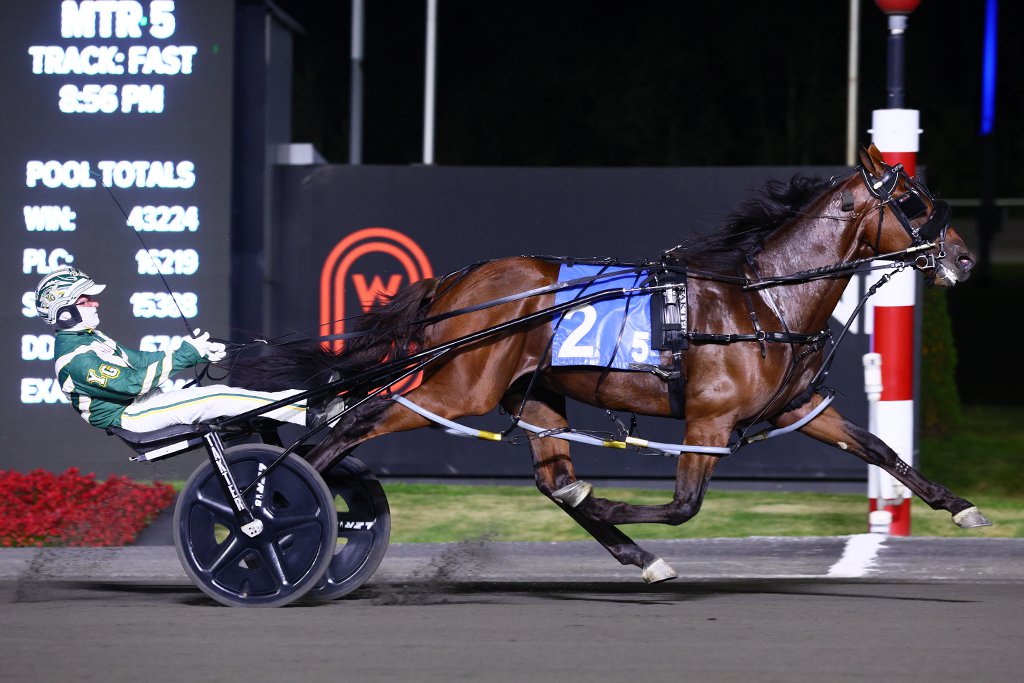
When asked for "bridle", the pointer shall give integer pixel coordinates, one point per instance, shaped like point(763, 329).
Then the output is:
point(908, 207)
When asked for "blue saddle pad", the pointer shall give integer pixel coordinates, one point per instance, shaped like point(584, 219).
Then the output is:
point(611, 332)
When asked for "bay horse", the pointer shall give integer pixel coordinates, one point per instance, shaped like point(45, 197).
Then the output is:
point(808, 227)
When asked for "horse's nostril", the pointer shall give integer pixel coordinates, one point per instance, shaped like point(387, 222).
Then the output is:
point(965, 263)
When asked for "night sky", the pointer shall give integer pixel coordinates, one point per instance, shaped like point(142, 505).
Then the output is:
point(648, 83)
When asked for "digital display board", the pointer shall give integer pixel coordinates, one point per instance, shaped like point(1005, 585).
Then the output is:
point(135, 96)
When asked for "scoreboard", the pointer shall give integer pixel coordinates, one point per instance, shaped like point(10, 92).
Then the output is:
point(116, 159)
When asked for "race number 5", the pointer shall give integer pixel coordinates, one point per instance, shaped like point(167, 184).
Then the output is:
point(640, 349)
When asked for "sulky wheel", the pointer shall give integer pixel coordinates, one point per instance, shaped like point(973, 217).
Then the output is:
point(364, 528)
point(283, 562)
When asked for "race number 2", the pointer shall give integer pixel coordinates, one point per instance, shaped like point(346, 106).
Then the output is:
point(574, 348)
point(571, 347)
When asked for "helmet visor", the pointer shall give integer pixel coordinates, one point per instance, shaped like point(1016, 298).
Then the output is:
point(94, 289)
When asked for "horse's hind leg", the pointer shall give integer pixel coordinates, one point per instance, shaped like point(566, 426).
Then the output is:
point(555, 478)
point(832, 428)
point(693, 474)
point(376, 417)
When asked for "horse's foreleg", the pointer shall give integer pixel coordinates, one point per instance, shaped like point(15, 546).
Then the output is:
point(555, 478)
point(832, 428)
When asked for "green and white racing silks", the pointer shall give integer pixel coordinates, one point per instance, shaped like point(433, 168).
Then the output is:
point(101, 378)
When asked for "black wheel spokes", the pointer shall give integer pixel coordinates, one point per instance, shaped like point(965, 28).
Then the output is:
point(284, 523)
point(363, 522)
point(295, 543)
point(225, 563)
point(269, 553)
point(233, 550)
point(293, 522)
point(288, 556)
point(217, 508)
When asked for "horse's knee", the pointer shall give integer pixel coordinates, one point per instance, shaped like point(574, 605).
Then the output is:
point(552, 471)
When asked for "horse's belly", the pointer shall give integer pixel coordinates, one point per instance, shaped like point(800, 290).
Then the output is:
point(635, 392)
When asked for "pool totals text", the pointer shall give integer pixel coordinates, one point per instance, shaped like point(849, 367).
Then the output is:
point(133, 96)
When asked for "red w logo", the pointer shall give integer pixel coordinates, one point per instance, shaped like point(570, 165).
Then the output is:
point(338, 272)
point(376, 292)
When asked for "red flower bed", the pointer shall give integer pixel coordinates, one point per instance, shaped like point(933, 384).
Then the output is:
point(70, 509)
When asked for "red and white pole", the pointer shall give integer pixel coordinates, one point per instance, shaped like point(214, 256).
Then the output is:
point(893, 341)
point(895, 132)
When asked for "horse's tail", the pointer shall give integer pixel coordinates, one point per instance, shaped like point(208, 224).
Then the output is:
point(387, 331)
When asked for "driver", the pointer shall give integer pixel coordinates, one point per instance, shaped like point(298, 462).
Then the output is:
point(113, 386)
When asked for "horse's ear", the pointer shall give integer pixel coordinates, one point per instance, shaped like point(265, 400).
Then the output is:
point(871, 160)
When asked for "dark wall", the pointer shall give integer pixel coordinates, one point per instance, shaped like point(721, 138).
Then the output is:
point(462, 215)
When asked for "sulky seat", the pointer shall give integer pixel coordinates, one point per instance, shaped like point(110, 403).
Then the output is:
point(161, 442)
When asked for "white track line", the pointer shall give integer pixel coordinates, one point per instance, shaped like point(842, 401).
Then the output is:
point(859, 556)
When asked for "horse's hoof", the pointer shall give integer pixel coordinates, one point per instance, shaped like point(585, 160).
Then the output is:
point(659, 571)
point(572, 494)
point(971, 518)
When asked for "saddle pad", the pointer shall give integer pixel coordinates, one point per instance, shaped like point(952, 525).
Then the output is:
point(612, 332)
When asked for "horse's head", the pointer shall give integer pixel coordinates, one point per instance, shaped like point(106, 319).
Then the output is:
point(909, 218)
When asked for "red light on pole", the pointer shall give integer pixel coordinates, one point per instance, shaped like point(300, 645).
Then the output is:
point(897, 6)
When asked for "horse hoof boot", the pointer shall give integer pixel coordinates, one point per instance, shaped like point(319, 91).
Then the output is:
point(571, 495)
point(971, 518)
point(658, 571)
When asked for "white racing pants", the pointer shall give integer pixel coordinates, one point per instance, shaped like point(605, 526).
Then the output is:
point(159, 409)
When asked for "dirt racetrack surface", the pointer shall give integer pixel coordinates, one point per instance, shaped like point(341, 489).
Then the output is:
point(760, 609)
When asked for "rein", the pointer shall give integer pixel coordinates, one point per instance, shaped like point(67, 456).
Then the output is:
point(837, 269)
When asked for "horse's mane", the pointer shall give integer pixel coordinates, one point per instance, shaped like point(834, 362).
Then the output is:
point(749, 224)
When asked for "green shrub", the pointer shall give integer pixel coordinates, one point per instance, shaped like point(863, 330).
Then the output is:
point(940, 402)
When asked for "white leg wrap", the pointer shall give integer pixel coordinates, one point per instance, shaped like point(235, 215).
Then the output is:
point(658, 571)
point(573, 494)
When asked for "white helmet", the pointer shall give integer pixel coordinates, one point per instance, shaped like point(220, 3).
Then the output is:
point(61, 289)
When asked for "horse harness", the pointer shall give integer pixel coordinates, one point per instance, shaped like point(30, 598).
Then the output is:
point(907, 207)
point(666, 281)
point(670, 331)
point(669, 299)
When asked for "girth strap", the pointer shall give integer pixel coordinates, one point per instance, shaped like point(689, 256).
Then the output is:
point(669, 327)
point(669, 315)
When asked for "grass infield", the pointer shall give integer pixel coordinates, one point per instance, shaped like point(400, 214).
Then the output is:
point(427, 513)
point(984, 463)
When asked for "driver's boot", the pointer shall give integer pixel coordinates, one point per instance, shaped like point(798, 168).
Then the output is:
point(317, 415)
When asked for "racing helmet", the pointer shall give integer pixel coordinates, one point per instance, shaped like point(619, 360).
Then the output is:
point(61, 289)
